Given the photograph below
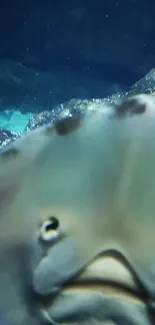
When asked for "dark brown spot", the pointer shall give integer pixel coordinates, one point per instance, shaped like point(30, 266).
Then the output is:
point(130, 106)
point(68, 125)
point(10, 153)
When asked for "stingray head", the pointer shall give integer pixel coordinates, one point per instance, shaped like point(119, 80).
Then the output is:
point(80, 196)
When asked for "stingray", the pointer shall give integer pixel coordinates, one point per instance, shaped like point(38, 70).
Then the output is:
point(77, 219)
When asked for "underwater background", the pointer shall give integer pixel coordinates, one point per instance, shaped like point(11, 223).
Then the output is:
point(58, 57)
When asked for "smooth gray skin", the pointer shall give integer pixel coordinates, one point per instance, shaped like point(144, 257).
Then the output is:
point(47, 278)
point(98, 180)
point(83, 308)
point(16, 307)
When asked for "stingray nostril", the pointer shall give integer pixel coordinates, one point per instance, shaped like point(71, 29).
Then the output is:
point(49, 230)
point(53, 224)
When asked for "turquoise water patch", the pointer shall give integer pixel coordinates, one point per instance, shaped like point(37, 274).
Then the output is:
point(14, 120)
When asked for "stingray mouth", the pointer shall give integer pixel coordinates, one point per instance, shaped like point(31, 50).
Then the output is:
point(110, 274)
point(108, 278)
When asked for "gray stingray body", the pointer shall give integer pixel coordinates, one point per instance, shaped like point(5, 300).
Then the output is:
point(77, 226)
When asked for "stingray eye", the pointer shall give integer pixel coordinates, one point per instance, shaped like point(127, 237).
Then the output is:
point(49, 230)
